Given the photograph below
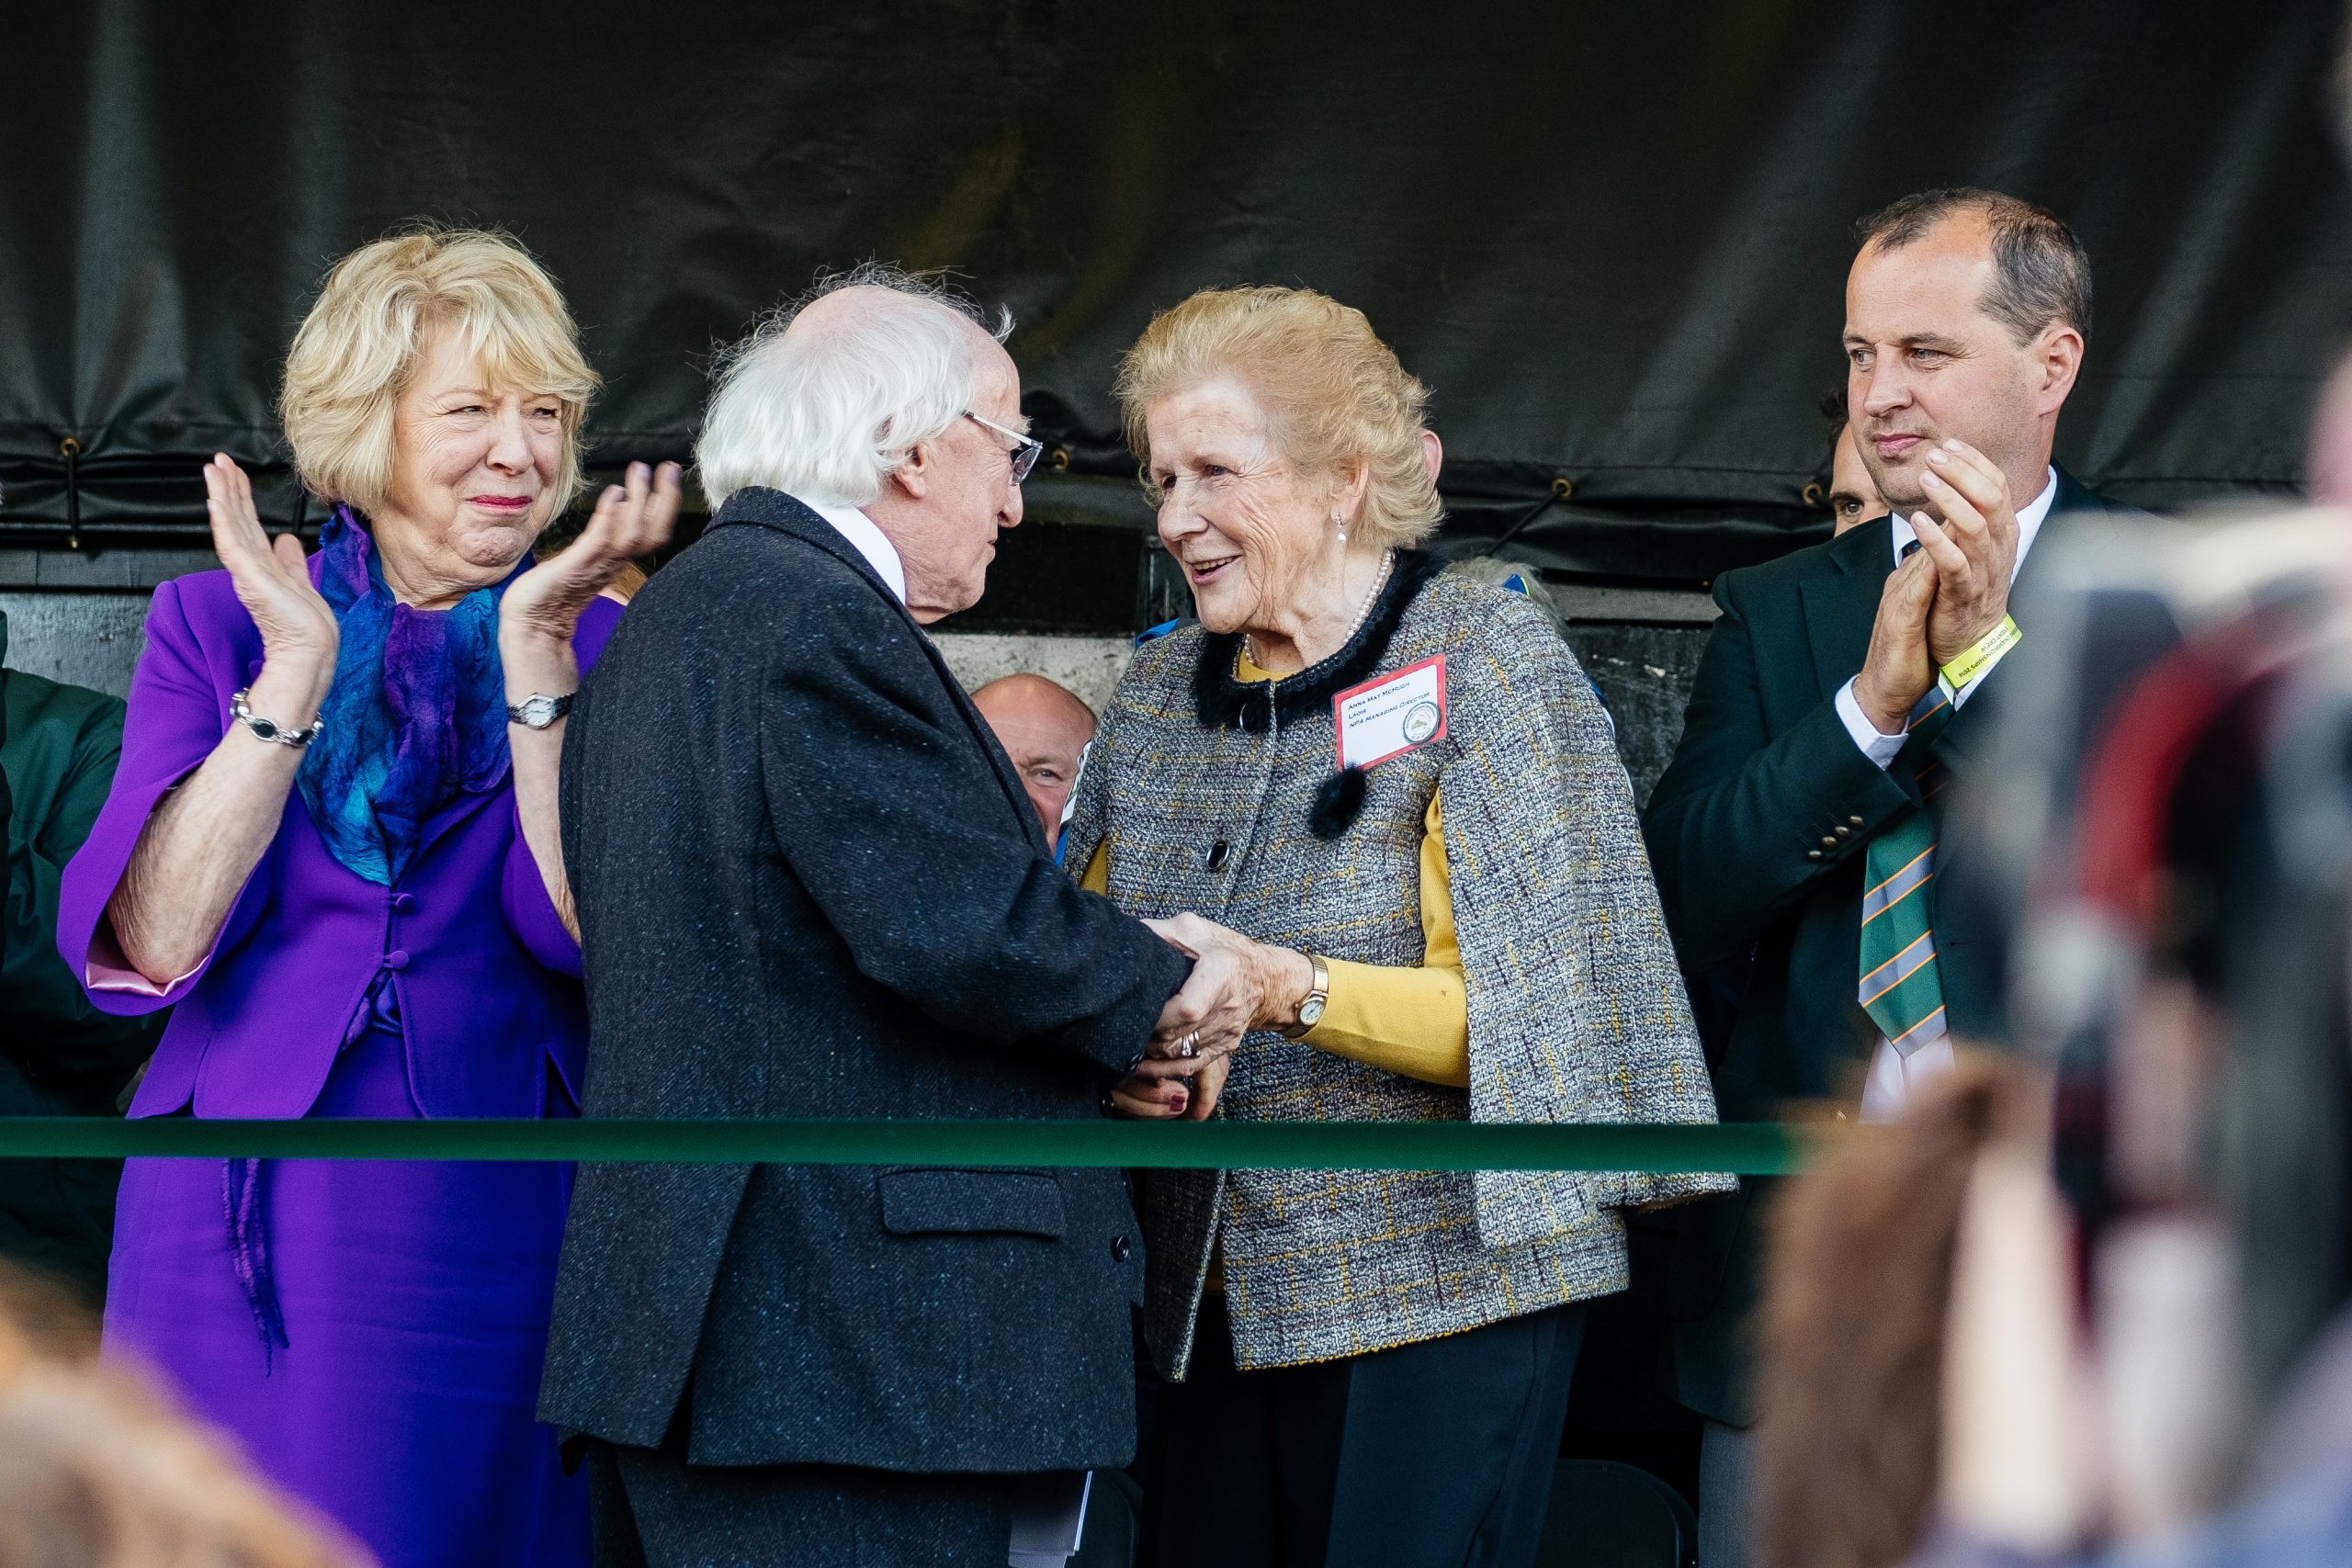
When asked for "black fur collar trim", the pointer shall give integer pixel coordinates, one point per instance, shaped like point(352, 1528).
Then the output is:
point(1224, 702)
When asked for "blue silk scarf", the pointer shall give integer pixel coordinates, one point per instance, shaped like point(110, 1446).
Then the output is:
point(416, 717)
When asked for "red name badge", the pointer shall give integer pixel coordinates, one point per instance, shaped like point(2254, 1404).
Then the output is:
point(1390, 713)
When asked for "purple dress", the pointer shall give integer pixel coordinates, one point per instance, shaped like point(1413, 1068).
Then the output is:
point(370, 1332)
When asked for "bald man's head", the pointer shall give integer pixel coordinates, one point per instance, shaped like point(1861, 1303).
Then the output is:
point(1044, 729)
point(869, 307)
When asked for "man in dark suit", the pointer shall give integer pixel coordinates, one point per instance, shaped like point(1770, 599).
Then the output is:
point(810, 884)
point(1797, 824)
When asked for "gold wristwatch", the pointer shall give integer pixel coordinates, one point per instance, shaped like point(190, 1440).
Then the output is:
point(1319, 993)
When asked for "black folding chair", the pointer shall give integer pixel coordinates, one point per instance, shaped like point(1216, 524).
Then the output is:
point(1606, 1515)
point(1113, 1521)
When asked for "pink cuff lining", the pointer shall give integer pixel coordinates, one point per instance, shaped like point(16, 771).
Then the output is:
point(108, 970)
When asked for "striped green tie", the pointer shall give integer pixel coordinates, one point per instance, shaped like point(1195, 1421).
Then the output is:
point(1901, 989)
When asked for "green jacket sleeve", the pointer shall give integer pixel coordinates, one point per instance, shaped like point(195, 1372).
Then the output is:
point(59, 754)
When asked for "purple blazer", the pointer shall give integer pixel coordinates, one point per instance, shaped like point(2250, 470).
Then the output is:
point(486, 978)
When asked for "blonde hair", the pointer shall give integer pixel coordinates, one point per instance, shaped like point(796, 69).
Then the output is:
point(1336, 393)
point(361, 344)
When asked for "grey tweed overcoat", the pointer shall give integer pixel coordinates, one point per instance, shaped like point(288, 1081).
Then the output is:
point(1203, 790)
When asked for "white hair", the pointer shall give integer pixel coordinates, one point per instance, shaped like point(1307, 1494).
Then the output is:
point(826, 415)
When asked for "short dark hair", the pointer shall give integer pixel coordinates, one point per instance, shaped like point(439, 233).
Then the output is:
point(1833, 412)
point(2040, 272)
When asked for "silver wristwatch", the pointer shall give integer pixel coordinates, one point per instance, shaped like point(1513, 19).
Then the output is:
point(538, 710)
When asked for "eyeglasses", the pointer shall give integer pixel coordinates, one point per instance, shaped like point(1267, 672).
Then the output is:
point(1025, 455)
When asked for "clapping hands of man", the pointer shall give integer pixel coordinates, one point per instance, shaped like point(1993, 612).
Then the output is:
point(1236, 986)
point(1950, 592)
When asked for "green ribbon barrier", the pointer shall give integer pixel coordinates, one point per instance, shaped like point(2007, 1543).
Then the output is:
point(1746, 1148)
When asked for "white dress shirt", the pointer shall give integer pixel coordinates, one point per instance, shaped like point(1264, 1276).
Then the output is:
point(1893, 1076)
point(875, 546)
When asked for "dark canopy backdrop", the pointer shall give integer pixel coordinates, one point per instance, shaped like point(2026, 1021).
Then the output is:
point(1612, 237)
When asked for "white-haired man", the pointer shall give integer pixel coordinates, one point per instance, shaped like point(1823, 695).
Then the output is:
point(810, 885)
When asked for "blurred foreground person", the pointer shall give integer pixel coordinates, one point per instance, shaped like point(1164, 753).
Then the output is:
point(98, 1469)
point(811, 885)
point(1441, 900)
point(1044, 729)
point(1851, 1358)
point(59, 1056)
point(332, 841)
point(2327, 464)
point(2149, 1357)
point(1798, 820)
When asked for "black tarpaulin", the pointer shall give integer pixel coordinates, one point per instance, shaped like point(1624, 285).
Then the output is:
point(1612, 237)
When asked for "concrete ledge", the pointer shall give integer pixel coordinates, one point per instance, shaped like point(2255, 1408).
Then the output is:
point(1636, 606)
point(93, 636)
point(81, 638)
point(1643, 664)
point(1089, 666)
point(121, 570)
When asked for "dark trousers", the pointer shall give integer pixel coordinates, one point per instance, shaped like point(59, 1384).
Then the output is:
point(1434, 1455)
point(650, 1509)
point(1726, 1493)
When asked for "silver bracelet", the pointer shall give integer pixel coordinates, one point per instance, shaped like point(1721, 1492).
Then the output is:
point(268, 730)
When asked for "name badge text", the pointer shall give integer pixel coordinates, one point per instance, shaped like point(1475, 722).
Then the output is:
point(1390, 713)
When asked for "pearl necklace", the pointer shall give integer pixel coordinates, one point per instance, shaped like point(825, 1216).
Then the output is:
point(1364, 612)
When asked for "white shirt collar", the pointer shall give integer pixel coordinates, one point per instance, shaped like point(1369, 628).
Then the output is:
point(871, 542)
point(2030, 517)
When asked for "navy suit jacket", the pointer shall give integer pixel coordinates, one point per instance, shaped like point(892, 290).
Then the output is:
point(1757, 832)
point(810, 884)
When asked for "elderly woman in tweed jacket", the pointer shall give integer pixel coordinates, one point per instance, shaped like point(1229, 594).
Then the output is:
point(1390, 796)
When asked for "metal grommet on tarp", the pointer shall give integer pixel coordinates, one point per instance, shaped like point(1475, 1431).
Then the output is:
point(1057, 459)
point(1812, 494)
point(71, 450)
point(1561, 487)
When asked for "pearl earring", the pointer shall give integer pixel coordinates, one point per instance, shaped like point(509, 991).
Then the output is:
point(1340, 522)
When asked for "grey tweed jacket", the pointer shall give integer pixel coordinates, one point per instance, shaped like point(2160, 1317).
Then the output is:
point(1203, 791)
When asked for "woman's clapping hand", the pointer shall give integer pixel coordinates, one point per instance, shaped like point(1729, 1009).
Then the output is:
point(272, 580)
point(536, 620)
point(631, 520)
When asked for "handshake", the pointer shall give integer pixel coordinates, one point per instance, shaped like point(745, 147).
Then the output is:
point(1237, 985)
